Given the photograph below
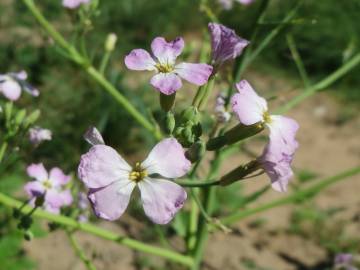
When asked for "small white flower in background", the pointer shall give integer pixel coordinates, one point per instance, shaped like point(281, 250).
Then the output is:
point(11, 85)
point(38, 134)
point(222, 116)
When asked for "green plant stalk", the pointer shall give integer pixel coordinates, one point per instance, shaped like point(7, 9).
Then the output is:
point(3, 150)
point(208, 90)
point(298, 195)
point(95, 74)
point(197, 184)
point(324, 83)
point(193, 222)
point(80, 252)
point(297, 59)
point(94, 230)
point(104, 62)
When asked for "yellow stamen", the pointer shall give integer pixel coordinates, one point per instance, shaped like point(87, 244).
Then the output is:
point(267, 117)
point(138, 173)
point(47, 184)
point(164, 68)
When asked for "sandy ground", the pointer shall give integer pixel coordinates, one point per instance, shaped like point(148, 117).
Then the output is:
point(326, 148)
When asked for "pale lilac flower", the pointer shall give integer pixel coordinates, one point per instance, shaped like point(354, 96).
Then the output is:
point(50, 185)
point(344, 261)
point(38, 134)
point(252, 109)
point(111, 180)
point(11, 85)
point(167, 79)
point(222, 115)
point(72, 4)
point(225, 43)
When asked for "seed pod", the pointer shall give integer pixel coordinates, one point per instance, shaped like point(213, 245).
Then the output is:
point(169, 123)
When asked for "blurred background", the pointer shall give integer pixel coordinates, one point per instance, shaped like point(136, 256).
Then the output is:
point(306, 235)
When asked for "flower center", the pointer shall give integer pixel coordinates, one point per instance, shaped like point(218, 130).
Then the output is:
point(164, 68)
point(267, 117)
point(47, 184)
point(138, 173)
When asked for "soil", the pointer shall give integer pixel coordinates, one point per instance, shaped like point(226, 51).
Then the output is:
point(327, 147)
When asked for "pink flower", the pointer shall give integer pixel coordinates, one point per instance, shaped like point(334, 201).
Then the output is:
point(38, 134)
point(278, 154)
point(227, 4)
point(72, 4)
point(11, 85)
point(167, 79)
point(50, 185)
point(225, 43)
point(111, 180)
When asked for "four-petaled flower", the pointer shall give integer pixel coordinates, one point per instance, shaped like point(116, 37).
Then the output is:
point(167, 80)
point(278, 154)
point(72, 4)
point(12, 83)
point(38, 134)
point(111, 179)
point(225, 43)
point(51, 186)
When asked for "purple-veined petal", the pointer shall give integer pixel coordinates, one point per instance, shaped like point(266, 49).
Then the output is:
point(37, 171)
point(139, 59)
point(93, 136)
point(161, 199)
point(282, 133)
point(66, 197)
point(247, 105)
point(34, 189)
point(225, 43)
point(167, 158)
point(10, 89)
point(54, 197)
point(195, 73)
point(167, 52)
point(58, 178)
point(166, 83)
point(101, 166)
point(110, 202)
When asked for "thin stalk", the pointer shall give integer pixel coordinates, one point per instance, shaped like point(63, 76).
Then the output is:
point(104, 62)
point(193, 221)
point(95, 74)
point(197, 184)
point(297, 59)
point(324, 83)
point(100, 232)
point(79, 251)
point(298, 195)
point(3, 150)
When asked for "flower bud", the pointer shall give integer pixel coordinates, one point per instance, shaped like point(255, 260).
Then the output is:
point(167, 101)
point(169, 123)
point(191, 114)
point(110, 42)
point(196, 151)
point(32, 118)
point(28, 235)
point(20, 116)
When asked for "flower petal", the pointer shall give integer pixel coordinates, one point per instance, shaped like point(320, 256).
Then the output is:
point(58, 178)
point(167, 158)
point(58, 199)
point(195, 73)
point(34, 189)
point(93, 136)
point(111, 201)
point(101, 166)
point(166, 83)
point(167, 52)
point(225, 43)
point(161, 199)
point(282, 133)
point(139, 59)
point(247, 105)
point(37, 171)
point(11, 89)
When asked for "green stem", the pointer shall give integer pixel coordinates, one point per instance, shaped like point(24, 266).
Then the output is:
point(197, 184)
point(79, 251)
point(208, 90)
point(92, 229)
point(3, 150)
point(104, 62)
point(326, 82)
point(298, 195)
point(297, 59)
point(193, 221)
point(96, 75)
